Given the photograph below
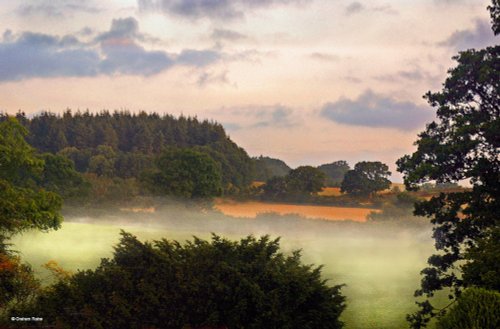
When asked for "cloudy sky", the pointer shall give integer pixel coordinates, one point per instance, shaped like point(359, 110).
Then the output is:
point(307, 81)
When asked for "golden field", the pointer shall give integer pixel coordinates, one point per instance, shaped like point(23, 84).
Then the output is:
point(251, 209)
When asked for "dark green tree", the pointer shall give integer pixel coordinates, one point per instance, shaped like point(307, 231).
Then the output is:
point(266, 168)
point(59, 176)
point(185, 173)
point(366, 178)
point(476, 308)
point(483, 262)
point(335, 172)
point(299, 184)
point(305, 180)
point(23, 206)
point(462, 144)
point(494, 9)
point(202, 284)
point(276, 188)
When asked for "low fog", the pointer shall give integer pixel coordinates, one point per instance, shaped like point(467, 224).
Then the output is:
point(379, 262)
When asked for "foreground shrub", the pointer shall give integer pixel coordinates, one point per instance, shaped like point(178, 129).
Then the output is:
point(217, 284)
point(475, 309)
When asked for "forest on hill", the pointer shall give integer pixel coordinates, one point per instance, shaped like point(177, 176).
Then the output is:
point(117, 156)
point(114, 150)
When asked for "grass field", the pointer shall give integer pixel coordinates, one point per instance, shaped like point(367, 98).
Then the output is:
point(378, 264)
point(251, 209)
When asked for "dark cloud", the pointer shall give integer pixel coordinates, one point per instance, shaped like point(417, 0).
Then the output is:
point(213, 9)
point(122, 28)
point(354, 8)
point(117, 51)
point(373, 110)
point(39, 55)
point(133, 59)
point(56, 8)
point(229, 35)
point(478, 36)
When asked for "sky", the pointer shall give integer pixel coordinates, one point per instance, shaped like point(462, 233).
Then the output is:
point(305, 81)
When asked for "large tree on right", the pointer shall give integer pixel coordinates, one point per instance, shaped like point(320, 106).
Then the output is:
point(463, 144)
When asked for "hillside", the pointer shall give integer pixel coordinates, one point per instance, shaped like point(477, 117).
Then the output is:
point(127, 143)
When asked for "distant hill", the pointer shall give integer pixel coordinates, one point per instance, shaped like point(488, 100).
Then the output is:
point(127, 143)
point(334, 172)
point(266, 167)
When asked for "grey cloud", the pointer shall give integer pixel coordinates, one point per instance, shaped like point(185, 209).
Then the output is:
point(121, 28)
point(326, 57)
point(352, 79)
point(208, 78)
point(373, 110)
point(412, 74)
point(231, 126)
point(126, 28)
point(223, 34)
point(133, 59)
point(56, 8)
point(39, 55)
point(275, 116)
point(117, 51)
point(271, 115)
point(387, 9)
point(354, 8)
point(213, 9)
point(259, 116)
point(198, 58)
point(357, 7)
point(479, 36)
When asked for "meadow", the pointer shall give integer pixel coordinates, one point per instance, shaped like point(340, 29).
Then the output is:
point(378, 262)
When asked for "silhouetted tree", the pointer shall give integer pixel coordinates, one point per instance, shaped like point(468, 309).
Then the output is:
point(366, 178)
point(463, 144)
point(202, 284)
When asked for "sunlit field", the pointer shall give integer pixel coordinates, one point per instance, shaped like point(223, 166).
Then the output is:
point(379, 263)
point(251, 209)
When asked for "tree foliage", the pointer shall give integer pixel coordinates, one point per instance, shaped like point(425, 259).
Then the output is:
point(266, 168)
point(216, 284)
point(185, 173)
point(305, 180)
point(59, 176)
point(335, 172)
point(475, 309)
point(462, 144)
point(300, 183)
point(23, 205)
point(132, 138)
point(366, 178)
point(494, 9)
